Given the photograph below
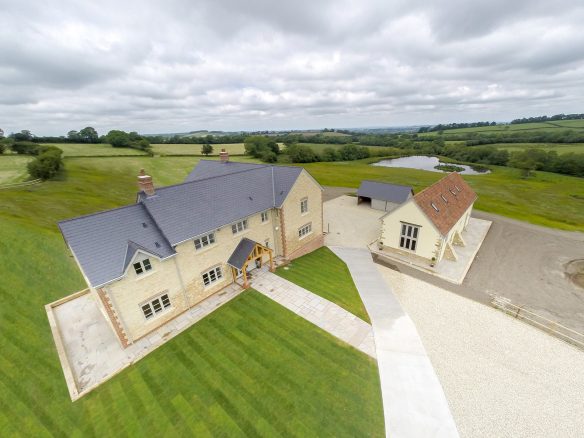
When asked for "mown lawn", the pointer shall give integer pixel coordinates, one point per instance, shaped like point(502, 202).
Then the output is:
point(547, 199)
point(195, 149)
point(324, 274)
point(252, 368)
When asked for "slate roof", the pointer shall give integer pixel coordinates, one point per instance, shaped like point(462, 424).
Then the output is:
point(451, 196)
point(384, 191)
point(105, 242)
point(193, 208)
point(208, 169)
point(217, 195)
point(241, 253)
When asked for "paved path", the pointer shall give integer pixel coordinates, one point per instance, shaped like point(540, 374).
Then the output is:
point(413, 400)
point(319, 311)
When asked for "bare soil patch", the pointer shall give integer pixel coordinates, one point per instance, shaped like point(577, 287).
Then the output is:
point(575, 272)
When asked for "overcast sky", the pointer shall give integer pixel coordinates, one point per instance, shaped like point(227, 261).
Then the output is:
point(181, 65)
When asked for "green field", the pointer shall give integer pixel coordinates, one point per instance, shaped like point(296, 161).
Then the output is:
point(560, 148)
point(537, 127)
point(547, 199)
point(13, 168)
point(195, 149)
point(238, 372)
point(93, 150)
point(324, 274)
point(318, 147)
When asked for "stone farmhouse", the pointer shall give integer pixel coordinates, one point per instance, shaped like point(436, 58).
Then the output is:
point(148, 262)
point(428, 225)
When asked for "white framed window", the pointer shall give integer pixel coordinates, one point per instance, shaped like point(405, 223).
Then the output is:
point(304, 230)
point(212, 275)
point(155, 306)
point(238, 227)
point(204, 241)
point(142, 266)
point(304, 206)
point(409, 236)
point(264, 216)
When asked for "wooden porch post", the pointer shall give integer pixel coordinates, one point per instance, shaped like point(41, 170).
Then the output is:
point(244, 270)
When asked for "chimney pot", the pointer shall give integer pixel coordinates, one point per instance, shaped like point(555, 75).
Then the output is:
point(224, 156)
point(145, 183)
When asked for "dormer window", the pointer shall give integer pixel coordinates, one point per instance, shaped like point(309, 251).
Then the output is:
point(444, 198)
point(457, 189)
point(452, 191)
point(142, 266)
point(434, 206)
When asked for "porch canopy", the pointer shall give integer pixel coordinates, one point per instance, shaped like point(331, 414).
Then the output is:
point(247, 251)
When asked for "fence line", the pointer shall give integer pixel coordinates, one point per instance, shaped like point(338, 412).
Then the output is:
point(552, 327)
point(20, 184)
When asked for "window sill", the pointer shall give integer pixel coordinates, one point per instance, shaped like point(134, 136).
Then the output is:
point(205, 248)
point(305, 236)
point(145, 275)
point(215, 283)
point(158, 315)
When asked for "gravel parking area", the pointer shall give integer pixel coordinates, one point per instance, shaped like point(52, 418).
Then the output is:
point(501, 377)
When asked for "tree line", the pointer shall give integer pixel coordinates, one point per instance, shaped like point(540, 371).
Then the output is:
point(548, 118)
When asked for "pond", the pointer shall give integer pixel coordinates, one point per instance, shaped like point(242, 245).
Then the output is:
point(423, 162)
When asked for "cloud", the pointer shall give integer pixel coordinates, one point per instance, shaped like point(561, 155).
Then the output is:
point(174, 65)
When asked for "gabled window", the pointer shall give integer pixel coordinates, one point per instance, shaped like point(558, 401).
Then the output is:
point(304, 206)
point(264, 216)
point(238, 227)
point(204, 241)
point(212, 276)
point(304, 230)
point(142, 266)
point(155, 306)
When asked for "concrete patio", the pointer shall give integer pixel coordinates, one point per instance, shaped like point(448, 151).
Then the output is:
point(452, 271)
point(90, 353)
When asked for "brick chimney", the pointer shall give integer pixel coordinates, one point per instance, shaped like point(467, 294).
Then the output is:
point(224, 156)
point(145, 183)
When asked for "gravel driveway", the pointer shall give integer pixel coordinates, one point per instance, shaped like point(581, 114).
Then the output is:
point(502, 378)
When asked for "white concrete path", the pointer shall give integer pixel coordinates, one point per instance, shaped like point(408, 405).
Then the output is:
point(414, 403)
point(317, 310)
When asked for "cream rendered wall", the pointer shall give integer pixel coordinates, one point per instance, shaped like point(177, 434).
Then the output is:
point(409, 212)
point(305, 187)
